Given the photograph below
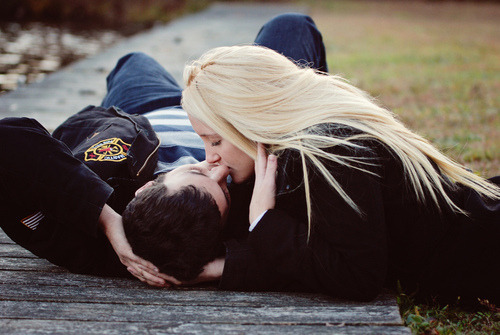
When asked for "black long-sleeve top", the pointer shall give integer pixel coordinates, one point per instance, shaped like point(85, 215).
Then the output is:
point(396, 238)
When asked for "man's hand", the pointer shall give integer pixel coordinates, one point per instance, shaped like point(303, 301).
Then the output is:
point(112, 226)
point(264, 191)
point(211, 272)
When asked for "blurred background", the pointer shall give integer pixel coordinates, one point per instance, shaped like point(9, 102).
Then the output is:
point(436, 64)
point(40, 36)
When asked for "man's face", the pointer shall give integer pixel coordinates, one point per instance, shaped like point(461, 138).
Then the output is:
point(211, 178)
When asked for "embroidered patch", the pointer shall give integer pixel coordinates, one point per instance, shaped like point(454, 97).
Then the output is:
point(112, 150)
point(33, 220)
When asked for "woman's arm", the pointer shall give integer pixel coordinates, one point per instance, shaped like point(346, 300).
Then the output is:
point(345, 257)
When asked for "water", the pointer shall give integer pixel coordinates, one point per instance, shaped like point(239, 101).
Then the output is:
point(30, 51)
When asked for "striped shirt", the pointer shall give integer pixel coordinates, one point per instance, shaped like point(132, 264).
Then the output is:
point(179, 144)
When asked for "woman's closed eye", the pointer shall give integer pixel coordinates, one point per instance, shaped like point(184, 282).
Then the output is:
point(216, 143)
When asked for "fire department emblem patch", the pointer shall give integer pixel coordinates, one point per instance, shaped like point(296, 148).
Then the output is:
point(110, 150)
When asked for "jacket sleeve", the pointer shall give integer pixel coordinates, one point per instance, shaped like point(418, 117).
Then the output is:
point(38, 169)
point(346, 255)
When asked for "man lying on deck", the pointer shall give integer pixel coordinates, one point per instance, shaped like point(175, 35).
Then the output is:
point(61, 194)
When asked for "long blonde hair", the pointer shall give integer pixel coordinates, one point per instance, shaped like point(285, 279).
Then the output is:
point(250, 94)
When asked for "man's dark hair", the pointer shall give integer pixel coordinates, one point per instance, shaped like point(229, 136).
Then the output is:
point(179, 232)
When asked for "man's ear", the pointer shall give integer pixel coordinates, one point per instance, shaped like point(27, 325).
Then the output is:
point(143, 187)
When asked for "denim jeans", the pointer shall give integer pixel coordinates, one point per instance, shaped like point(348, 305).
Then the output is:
point(138, 84)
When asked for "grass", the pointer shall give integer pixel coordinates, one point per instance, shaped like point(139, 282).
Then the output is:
point(435, 319)
point(436, 66)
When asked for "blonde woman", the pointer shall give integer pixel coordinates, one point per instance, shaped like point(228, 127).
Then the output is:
point(359, 202)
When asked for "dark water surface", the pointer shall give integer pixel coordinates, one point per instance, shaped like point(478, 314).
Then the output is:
point(29, 51)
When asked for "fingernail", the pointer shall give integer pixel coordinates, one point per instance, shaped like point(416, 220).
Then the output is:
point(272, 158)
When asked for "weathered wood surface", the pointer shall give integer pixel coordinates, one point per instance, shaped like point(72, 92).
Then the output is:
point(199, 313)
point(118, 328)
point(37, 297)
point(12, 250)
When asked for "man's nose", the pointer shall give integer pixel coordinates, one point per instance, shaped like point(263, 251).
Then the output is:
point(219, 173)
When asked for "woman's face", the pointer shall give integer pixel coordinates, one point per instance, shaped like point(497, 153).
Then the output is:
point(221, 151)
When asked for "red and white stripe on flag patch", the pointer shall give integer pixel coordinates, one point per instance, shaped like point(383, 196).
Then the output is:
point(33, 220)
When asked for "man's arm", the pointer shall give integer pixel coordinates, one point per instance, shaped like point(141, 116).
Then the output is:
point(112, 226)
point(42, 172)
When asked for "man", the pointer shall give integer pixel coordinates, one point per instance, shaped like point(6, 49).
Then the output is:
point(58, 191)
point(137, 85)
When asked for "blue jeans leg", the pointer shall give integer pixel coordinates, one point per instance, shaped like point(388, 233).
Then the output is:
point(138, 84)
point(297, 37)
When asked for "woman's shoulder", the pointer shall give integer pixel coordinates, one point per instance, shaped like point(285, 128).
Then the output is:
point(353, 142)
point(353, 149)
point(334, 130)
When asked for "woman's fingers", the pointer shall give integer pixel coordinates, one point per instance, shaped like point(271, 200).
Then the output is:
point(271, 168)
point(261, 162)
point(263, 197)
point(265, 166)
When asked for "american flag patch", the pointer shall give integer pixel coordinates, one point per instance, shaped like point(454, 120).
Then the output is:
point(33, 220)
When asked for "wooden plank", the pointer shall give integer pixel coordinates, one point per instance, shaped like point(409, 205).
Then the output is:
point(29, 264)
point(139, 328)
point(193, 296)
point(27, 278)
point(14, 250)
point(261, 315)
point(4, 238)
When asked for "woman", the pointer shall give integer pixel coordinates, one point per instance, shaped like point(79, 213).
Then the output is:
point(361, 201)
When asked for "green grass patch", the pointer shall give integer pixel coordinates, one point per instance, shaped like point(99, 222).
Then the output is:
point(434, 64)
point(449, 319)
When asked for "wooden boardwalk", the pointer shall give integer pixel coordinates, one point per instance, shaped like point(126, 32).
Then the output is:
point(37, 297)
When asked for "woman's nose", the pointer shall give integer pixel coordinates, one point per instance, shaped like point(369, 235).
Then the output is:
point(211, 156)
